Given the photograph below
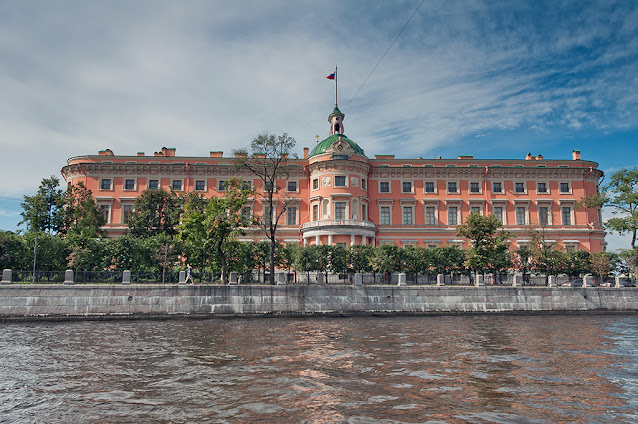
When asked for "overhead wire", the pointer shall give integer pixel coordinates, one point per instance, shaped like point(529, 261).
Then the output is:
point(384, 54)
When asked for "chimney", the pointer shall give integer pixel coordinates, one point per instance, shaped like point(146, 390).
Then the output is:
point(305, 152)
point(241, 155)
point(576, 155)
point(216, 154)
point(168, 151)
point(106, 152)
point(528, 156)
point(284, 155)
point(140, 153)
point(539, 157)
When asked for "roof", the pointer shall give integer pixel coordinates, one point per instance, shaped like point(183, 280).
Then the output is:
point(322, 146)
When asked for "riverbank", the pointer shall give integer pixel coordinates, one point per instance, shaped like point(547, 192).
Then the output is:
point(65, 302)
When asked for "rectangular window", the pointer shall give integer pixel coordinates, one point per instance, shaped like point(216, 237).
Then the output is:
point(340, 210)
point(475, 188)
point(246, 185)
point(177, 185)
point(567, 215)
point(340, 181)
point(200, 185)
point(153, 184)
point(520, 187)
point(105, 211)
point(542, 188)
point(451, 188)
point(292, 185)
point(127, 213)
point(364, 184)
point(543, 215)
point(520, 216)
point(221, 185)
point(268, 186)
point(429, 186)
point(315, 212)
point(497, 187)
point(430, 217)
point(129, 184)
point(291, 216)
point(385, 215)
point(498, 213)
point(315, 184)
point(564, 187)
point(246, 213)
point(475, 209)
point(267, 215)
point(364, 212)
point(407, 187)
point(452, 216)
point(384, 187)
point(105, 184)
point(407, 215)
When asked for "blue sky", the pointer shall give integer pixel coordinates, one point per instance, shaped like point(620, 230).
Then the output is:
point(496, 79)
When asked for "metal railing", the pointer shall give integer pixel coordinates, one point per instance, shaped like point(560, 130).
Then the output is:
point(339, 222)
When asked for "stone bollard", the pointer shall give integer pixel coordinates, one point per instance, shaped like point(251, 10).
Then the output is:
point(234, 279)
point(68, 277)
point(401, 279)
point(551, 281)
point(440, 280)
point(182, 277)
point(588, 281)
point(478, 281)
point(617, 282)
point(320, 279)
point(281, 278)
point(7, 276)
point(518, 280)
point(358, 279)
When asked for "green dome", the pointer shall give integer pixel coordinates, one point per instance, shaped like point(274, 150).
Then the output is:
point(321, 147)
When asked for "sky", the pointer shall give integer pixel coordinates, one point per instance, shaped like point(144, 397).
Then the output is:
point(493, 79)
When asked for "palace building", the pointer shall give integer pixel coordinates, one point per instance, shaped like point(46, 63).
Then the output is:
point(336, 194)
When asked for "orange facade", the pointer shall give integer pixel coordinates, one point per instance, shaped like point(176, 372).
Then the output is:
point(337, 194)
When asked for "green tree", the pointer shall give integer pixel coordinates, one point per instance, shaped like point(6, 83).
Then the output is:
point(87, 254)
point(359, 257)
point(620, 194)
point(268, 161)
point(156, 211)
point(13, 251)
point(44, 212)
point(81, 215)
point(217, 222)
point(489, 251)
point(51, 252)
point(307, 260)
point(523, 261)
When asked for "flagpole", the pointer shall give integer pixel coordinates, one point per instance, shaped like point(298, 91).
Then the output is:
point(335, 85)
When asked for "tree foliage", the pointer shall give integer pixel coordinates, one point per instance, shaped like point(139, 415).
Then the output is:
point(268, 161)
point(156, 211)
point(44, 212)
point(81, 215)
point(489, 251)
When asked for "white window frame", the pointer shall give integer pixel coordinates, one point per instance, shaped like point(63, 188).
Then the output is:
point(195, 185)
point(569, 185)
point(345, 181)
point(411, 182)
point(181, 182)
point(345, 209)
point(148, 183)
point(524, 187)
point(425, 184)
point(110, 184)
point(546, 187)
point(503, 205)
point(315, 184)
point(389, 187)
point(123, 206)
point(381, 206)
point(562, 215)
point(502, 183)
point(469, 187)
point(288, 211)
point(403, 210)
point(435, 215)
point(296, 186)
point(109, 214)
point(447, 187)
point(134, 184)
point(457, 213)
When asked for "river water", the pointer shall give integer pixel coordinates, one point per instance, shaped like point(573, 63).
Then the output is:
point(458, 369)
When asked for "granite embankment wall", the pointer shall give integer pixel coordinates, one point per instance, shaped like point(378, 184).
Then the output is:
point(48, 302)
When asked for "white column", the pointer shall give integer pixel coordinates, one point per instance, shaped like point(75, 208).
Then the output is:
point(329, 239)
point(317, 241)
point(305, 241)
point(351, 239)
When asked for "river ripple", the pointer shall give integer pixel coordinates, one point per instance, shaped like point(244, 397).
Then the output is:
point(460, 369)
